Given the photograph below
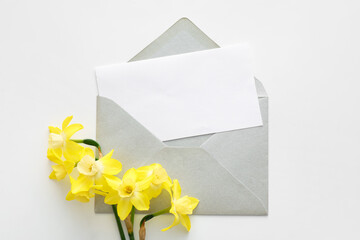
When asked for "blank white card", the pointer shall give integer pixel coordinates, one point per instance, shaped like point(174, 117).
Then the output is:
point(188, 94)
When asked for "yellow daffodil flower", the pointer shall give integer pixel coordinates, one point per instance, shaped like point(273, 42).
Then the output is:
point(59, 140)
point(94, 172)
point(160, 179)
point(181, 207)
point(128, 192)
point(65, 165)
point(85, 195)
point(62, 168)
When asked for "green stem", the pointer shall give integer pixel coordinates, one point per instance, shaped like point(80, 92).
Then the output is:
point(132, 215)
point(121, 231)
point(150, 216)
point(89, 142)
point(131, 232)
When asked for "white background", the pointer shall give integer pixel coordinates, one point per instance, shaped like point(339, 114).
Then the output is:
point(307, 55)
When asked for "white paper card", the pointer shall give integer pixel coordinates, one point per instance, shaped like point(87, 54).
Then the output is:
point(188, 94)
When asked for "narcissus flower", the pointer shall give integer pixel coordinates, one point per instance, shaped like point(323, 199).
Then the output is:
point(128, 192)
point(64, 167)
point(59, 140)
point(85, 195)
point(181, 207)
point(94, 172)
point(159, 181)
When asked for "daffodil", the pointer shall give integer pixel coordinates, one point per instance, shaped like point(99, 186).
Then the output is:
point(92, 171)
point(159, 181)
point(128, 192)
point(64, 166)
point(181, 207)
point(59, 139)
point(85, 195)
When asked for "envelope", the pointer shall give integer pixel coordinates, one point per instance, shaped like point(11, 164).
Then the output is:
point(226, 171)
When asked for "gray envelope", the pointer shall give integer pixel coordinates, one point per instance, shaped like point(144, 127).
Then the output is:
point(227, 171)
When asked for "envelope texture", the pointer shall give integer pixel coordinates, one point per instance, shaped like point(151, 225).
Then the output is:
point(227, 172)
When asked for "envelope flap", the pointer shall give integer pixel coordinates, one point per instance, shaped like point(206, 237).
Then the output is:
point(260, 89)
point(182, 37)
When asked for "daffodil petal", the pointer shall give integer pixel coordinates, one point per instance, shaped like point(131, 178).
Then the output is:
point(73, 151)
point(82, 184)
point(176, 189)
point(167, 186)
point(144, 184)
point(113, 182)
point(176, 222)
point(52, 175)
point(154, 190)
point(60, 171)
point(100, 182)
point(58, 151)
point(111, 166)
point(193, 202)
point(55, 130)
point(70, 196)
point(160, 175)
point(130, 174)
point(66, 122)
point(104, 194)
point(144, 172)
point(140, 201)
point(69, 166)
point(112, 198)
point(90, 152)
point(107, 156)
point(156, 165)
point(81, 197)
point(73, 128)
point(185, 221)
point(186, 205)
point(53, 156)
point(124, 208)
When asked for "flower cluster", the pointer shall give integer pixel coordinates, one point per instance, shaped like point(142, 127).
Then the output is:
point(90, 175)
